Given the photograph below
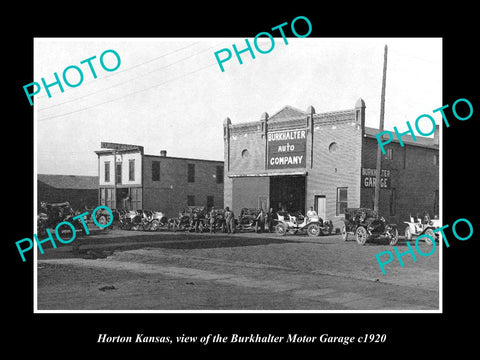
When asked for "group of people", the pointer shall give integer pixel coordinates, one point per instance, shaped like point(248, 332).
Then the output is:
point(263, 219)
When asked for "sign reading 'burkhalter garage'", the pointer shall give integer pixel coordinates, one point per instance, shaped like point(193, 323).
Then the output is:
point(369, 178)
point(287, 149)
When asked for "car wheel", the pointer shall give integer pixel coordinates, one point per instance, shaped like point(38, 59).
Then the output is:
point(313, 230)
point(281, 229)
point(408, 233)
point(154, 225)
point(394, 239)
point(430, 233)
point(344, 233)
point(102, 220)
point(361, 235)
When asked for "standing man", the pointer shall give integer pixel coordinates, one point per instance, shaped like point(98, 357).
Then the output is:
point(311, 213)
point(260, 223)
point(212, 219)
point(229, 219)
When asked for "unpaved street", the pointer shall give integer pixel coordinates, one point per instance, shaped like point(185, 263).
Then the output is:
point(121, 270)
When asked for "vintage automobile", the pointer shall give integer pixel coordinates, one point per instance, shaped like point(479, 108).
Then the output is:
point(314, 226)
point(247, 219)
point(366, 224)
point(421, 225)
point(156, 220)
point(216, 220)
point(192, 218)
point(53, 213)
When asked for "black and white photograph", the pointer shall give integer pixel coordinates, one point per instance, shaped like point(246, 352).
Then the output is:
point(251, 188)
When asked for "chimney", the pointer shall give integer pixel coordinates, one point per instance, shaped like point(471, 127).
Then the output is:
point(163, 153)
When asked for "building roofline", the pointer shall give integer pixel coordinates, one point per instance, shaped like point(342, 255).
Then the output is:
point(421, 141)
point(183, 158)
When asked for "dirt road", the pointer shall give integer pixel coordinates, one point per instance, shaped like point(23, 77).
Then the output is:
point(122, 270)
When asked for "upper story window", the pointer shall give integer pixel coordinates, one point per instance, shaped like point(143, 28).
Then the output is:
point(107, 171)
point(131, 170)
point(191, 173)
point(155, 170)
point(389, 154)
point(118, 173)
point(219, 174)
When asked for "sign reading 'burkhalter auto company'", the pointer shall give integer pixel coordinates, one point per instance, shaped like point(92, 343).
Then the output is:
point(287, 149)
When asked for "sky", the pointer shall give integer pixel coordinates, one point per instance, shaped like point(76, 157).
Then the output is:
point(170, 94)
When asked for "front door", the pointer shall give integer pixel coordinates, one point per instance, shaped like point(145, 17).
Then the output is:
point(321, 205)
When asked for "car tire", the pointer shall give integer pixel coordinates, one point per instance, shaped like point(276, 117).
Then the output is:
point(313, 229)
point(102, 220)
point(154, 225)
point(281, 229)
point(394, 239)
point(361, 235)
point(430, 233)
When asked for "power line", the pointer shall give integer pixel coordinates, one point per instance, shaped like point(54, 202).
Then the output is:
point(134, 66)
point(127, 81)
point(121, 97)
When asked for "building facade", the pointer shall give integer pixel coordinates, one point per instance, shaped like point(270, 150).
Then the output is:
point(296, 159)
point(130, 179)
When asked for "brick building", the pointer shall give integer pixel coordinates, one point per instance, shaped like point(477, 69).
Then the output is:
point(130, 179)
point(296, 159)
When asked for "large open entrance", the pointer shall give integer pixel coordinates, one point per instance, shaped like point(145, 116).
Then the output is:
point(287, 193)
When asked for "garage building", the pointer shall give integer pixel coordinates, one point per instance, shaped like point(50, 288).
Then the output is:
point(296, 159)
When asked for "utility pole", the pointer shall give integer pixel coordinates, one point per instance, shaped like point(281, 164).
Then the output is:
point(382, 116)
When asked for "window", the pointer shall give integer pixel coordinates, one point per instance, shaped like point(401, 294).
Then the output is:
point(210, 202)
point(107, 171)
point(191, 173)
point(333, 147)
point(393, 202)
point(136, 198)
point(219, 175)
point(341, 200)
point(155, 170)
point(190, 200)
point(131, 170)
point(118, 173)
point(389, 154)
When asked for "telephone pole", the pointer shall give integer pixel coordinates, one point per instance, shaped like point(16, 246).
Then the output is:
point(379, 150)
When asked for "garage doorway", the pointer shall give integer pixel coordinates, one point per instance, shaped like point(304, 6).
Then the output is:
point(288, 193)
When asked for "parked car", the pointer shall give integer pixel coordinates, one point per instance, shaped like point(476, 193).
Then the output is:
point(192, 218)
point(216, 220)
point(421, 225)
point(314, 225)
point(51, 214)
point(155, 220)
point(247, 219)
point(366, 224)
